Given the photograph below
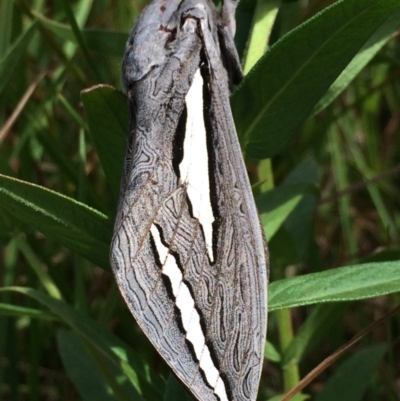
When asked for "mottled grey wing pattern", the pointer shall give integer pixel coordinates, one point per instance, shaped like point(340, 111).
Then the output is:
point(188, 251)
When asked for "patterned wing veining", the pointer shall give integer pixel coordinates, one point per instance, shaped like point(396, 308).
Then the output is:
point(188, 250)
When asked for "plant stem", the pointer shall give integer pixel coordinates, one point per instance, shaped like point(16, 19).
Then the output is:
point(291, 375)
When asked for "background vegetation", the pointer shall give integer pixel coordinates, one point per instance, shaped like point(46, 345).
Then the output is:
point(318, 119)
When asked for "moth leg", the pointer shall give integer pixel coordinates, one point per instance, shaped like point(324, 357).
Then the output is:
point(228, 15)
point(217, 47)
point(230, 56)
point(226, 33)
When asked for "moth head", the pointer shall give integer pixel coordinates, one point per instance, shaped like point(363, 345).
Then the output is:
point(147, 45)
point(141, 56)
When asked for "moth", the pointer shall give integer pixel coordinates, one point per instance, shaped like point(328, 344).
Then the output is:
point(188, 250)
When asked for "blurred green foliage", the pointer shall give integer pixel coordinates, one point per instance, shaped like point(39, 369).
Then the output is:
point(318, 118)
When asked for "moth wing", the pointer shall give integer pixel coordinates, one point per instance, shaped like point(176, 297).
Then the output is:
point(189, 258)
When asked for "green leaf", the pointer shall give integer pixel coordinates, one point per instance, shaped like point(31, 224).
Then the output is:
point(85, 372)
point(6, 24)
point(277, 204)
point(353, 377)
point(14, 55)
point(175, 391)
point(263, 22)
point(300, 223)
point(106, 43)
point(76, 226)
point(341, 284)
point(115, 352)
point(107, 114)
point(37, 266)
point(375, 43)
point(271, 353)
point(76, 29)
point(284, 86)
point(341, 174)
point(320, 322)
point(20, 311)
point(81, 368)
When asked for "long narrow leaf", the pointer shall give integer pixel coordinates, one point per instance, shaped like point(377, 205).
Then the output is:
point(107, 114)
point(276, 205)
point(107, 43)
point(375, 43)
point(284, 86)
point(13, 57)
point(19, 311)
point(86, 374)
point(342, 284)
point(76, 226)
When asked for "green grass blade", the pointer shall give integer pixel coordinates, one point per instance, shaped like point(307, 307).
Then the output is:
point(6, 18)
point(340, 173)
point(79, 38)
point(40, 270)
point(20, 311)
point(8, 64)
point(106, 43)
point(366, 172)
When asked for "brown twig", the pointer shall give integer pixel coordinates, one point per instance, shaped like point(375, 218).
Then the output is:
point(337, 354)
point(18, 110)
point(362, 184)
